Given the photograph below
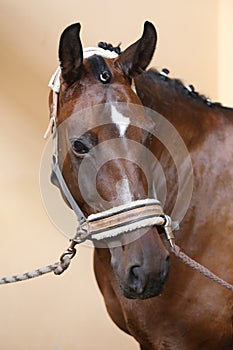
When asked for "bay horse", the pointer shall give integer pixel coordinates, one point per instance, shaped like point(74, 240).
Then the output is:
point(148, 293)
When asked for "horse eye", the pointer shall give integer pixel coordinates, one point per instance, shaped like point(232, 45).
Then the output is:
point(79, 148)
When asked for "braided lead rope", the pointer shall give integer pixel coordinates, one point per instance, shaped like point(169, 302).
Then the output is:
point(32, 274)
point(198, 267)
point(58, 268)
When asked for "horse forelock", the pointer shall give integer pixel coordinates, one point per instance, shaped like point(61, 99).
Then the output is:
point(100, 69)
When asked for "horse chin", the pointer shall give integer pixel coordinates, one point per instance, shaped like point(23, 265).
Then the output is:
point(150, 292)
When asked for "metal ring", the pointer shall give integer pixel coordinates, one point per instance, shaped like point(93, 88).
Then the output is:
point(105, 77)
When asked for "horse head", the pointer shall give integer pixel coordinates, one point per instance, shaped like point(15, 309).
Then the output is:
point(98, 130)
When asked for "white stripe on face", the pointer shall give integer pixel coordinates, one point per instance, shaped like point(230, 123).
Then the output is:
point(120, 120)
point(124, 194)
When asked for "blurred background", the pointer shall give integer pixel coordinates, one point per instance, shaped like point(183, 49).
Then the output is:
point(194, 43)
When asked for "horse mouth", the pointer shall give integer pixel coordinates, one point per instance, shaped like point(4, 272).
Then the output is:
point(149, 292)
point(145, 288)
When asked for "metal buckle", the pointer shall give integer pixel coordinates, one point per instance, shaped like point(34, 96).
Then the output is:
point(168, 230)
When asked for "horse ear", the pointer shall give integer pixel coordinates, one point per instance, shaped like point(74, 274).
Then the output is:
point(70, 53)
point(136, 57)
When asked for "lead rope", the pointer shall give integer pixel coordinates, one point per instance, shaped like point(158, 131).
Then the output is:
point(198, 267)
point(58, 268)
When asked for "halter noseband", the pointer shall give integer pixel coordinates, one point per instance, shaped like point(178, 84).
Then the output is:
point(118, 220)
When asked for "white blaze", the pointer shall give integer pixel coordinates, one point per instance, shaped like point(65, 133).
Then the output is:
point(124, 194)
point(120, 120)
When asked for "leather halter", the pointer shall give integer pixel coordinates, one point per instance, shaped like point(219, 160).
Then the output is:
point(118, 220)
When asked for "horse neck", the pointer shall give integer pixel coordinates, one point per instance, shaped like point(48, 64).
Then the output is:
point(194, 120)
point(189, 119)
point(191, 116)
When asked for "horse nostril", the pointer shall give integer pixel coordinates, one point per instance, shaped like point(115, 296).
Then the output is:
point(136, 279)
point(135, 271)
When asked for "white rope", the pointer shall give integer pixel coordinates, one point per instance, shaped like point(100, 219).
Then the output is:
point(57, 268)
point(92, 50)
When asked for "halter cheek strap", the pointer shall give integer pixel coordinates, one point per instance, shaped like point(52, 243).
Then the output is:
point(57, 172)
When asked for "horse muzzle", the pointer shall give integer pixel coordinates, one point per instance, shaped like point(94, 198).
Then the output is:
point(141, 267)
point(143, 285)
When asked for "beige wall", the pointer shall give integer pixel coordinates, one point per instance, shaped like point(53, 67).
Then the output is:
point(225, 52)
point(67, 312)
